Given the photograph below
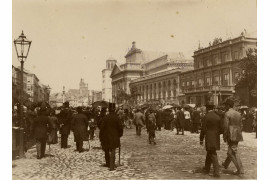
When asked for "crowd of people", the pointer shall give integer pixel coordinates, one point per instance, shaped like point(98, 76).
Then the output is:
point(42, 123)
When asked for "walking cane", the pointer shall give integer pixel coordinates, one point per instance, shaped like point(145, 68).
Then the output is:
point(50, 150)
point(88, 145)
point(119, 154)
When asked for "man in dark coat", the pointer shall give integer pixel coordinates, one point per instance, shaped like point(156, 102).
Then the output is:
point(110, 132)
point(65, 117)
point(40, 127)
point(151, 127)
point(159, 116)
point(180, 121)
point(232, 135)
point(196, 120)
point(211, 129)
point(79, 124)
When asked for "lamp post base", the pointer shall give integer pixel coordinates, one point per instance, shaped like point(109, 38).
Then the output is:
point(21, 145)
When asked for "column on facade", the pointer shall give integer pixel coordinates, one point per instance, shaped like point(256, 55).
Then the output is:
point(160, 90)
point(146, 92)
point(155, 91)
point(166, 90)
point(230, 83)
point(172, 88)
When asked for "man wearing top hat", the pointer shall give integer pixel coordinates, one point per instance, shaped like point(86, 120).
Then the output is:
point(232, 135)
point(111, 130)
point(64, 121)
point(211, 129)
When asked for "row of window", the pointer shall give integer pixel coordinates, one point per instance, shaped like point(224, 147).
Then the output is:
point(216, 81)
point(216, 59)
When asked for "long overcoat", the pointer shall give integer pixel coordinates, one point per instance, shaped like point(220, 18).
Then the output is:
point(180, 119)
point(110, 131)
point(139, 119)
point(79, 124)
point(196, 117)
point(159, 116)
point(65, 117)
point(40, 126)
point(211, 129)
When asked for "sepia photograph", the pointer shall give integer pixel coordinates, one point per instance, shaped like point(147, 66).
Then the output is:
point(143, 89)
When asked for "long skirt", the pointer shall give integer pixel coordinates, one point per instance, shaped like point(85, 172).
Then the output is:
point(53, 137)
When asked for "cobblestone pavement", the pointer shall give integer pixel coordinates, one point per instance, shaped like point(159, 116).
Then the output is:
point(174, 157)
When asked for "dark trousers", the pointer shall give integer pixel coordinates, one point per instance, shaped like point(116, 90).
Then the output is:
point(211, 158)
point(92, 133)
point(138, 130)
point(179, 128)
point(41, 147)
point(195, 127)
point(64, 140)
point(110, 158)
point(151, 136)
point(232, 155)
point(79, 146)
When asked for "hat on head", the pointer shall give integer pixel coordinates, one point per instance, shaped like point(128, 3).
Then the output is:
point(229, 102)
point(66, 103)
point(210, 105)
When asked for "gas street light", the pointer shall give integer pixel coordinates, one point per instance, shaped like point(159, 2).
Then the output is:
point(22, 46)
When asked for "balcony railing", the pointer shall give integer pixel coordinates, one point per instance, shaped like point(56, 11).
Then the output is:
point(207, 88)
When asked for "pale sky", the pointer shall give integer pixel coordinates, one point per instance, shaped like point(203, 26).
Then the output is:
point(71, 39)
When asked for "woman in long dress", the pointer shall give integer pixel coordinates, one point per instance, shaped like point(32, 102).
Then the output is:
point(53, 128)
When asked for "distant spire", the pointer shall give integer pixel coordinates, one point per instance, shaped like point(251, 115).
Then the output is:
point(199, 45)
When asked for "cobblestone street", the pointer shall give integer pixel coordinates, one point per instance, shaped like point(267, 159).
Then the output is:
point(174, 157)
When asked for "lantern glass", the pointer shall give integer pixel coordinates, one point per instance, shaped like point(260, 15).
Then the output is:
point(22, 46)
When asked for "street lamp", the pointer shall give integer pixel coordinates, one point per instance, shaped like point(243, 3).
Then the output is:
point(48, 91)
point(22, 46)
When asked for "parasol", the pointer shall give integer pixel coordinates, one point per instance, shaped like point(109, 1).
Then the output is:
point(167, 107)
point(243, 107)
point(103, 104)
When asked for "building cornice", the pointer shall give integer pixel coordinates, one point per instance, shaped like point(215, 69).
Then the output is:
point(223, 44)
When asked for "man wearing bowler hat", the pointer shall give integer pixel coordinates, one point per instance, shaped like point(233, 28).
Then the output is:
point(211, 129)
point(232, 135)
point(111, 130)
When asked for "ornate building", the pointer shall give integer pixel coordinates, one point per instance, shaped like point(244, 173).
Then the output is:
point(141, 65)
point(75, 97)
point(216, 69)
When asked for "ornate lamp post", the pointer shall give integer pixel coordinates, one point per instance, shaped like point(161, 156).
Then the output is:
point(48, 91)
point(22, 46)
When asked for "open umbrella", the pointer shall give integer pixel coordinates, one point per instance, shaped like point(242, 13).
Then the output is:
point(100, 103)
point(144, 106)
point(175, 105)
point(192, 105)
point(243, 107)
point(167, 107)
